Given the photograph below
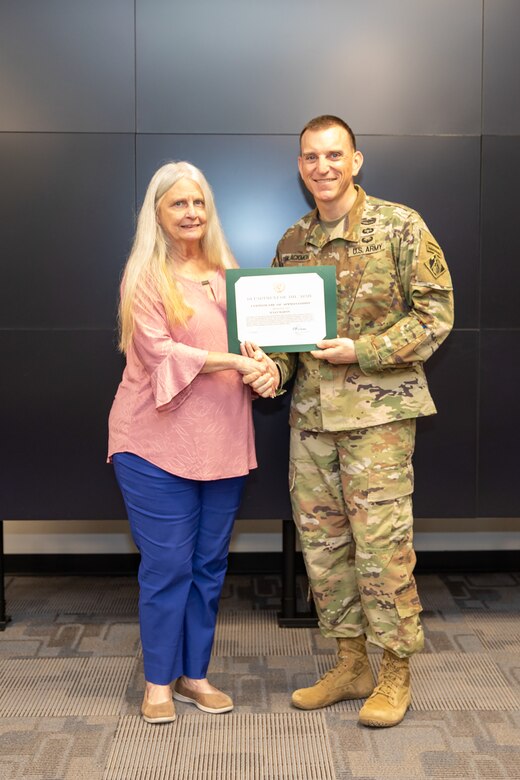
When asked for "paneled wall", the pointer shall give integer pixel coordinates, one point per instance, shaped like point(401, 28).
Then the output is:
point(95, 96)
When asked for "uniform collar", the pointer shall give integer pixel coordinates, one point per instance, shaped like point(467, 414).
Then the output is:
point(317, 237)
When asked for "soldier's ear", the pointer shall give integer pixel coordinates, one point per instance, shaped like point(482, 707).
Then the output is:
point(357, 162)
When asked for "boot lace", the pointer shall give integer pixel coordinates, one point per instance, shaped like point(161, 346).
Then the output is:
point(393, 678)
point(342, 665)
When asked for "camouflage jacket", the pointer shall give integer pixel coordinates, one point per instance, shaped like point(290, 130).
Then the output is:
point(394, 298)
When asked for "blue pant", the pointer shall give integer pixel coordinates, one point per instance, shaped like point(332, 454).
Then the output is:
point(182, 529)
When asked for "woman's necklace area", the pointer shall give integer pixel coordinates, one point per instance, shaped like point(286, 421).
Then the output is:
point(193, 273)
point(199, 278)
point(192, 270)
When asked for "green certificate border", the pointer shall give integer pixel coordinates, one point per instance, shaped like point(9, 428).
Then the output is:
point(327, 273)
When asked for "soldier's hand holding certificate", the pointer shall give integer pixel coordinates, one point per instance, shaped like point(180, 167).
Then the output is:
point(281, 309)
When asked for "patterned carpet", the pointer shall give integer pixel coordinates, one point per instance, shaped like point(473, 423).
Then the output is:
point(71, 681)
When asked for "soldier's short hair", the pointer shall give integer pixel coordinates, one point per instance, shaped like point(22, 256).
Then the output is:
point(325, 121)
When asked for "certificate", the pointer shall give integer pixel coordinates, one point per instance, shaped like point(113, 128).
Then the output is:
point(281, 309)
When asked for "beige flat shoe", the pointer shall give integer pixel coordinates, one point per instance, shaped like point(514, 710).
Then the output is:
point(214, 703)
point(164, 712)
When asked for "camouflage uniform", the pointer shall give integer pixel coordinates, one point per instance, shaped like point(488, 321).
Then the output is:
point(353, 425)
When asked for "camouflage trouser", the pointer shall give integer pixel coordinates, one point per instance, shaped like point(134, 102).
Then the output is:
point(352, 505)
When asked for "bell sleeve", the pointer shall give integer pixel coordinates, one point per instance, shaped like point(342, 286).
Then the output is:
point(171, 365)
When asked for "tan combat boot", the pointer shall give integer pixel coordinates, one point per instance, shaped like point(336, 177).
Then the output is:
point(388, 704)
point(351, 678)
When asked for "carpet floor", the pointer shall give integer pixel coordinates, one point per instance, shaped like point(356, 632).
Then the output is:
point(71, 685)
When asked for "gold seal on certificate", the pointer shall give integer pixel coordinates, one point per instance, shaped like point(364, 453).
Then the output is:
point(281, 309)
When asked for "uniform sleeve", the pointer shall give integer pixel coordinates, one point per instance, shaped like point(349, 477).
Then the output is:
point(171, 365)
point(428, 289)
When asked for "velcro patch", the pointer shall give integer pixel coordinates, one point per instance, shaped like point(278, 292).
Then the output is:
point(367, 249)
point(296, 258)
point(432, 265)
point(435, 266)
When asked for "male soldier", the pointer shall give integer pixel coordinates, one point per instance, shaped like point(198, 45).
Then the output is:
point(352, 418)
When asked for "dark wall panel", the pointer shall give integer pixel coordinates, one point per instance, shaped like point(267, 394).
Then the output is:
point(67, 65)
point(440, 178)
point(254, 178)
point(500, 253)
point(446, 451)
point(499, 424)
point(501, 107)
point(67, 222)
point(263, 194)
point(54, 439)
point(263, 67)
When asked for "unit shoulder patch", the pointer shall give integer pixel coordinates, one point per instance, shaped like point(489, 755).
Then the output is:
point(435, 266)
point(432, 265)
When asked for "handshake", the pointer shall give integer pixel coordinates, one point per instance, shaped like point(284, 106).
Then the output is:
point(262, 376)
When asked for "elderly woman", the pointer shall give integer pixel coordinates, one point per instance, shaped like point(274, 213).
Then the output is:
point(181, 433)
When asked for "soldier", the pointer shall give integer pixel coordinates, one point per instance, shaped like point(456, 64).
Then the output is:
point(352, 418)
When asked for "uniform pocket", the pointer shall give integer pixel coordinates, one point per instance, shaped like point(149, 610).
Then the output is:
point(407, 603)
point(389, 517)
point(389, 483)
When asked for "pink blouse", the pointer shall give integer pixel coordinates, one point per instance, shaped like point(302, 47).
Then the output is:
point(197, 426)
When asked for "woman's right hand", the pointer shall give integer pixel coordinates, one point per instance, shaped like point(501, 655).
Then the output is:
point(256, 371)
point(248, 365)
point(267, 382)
